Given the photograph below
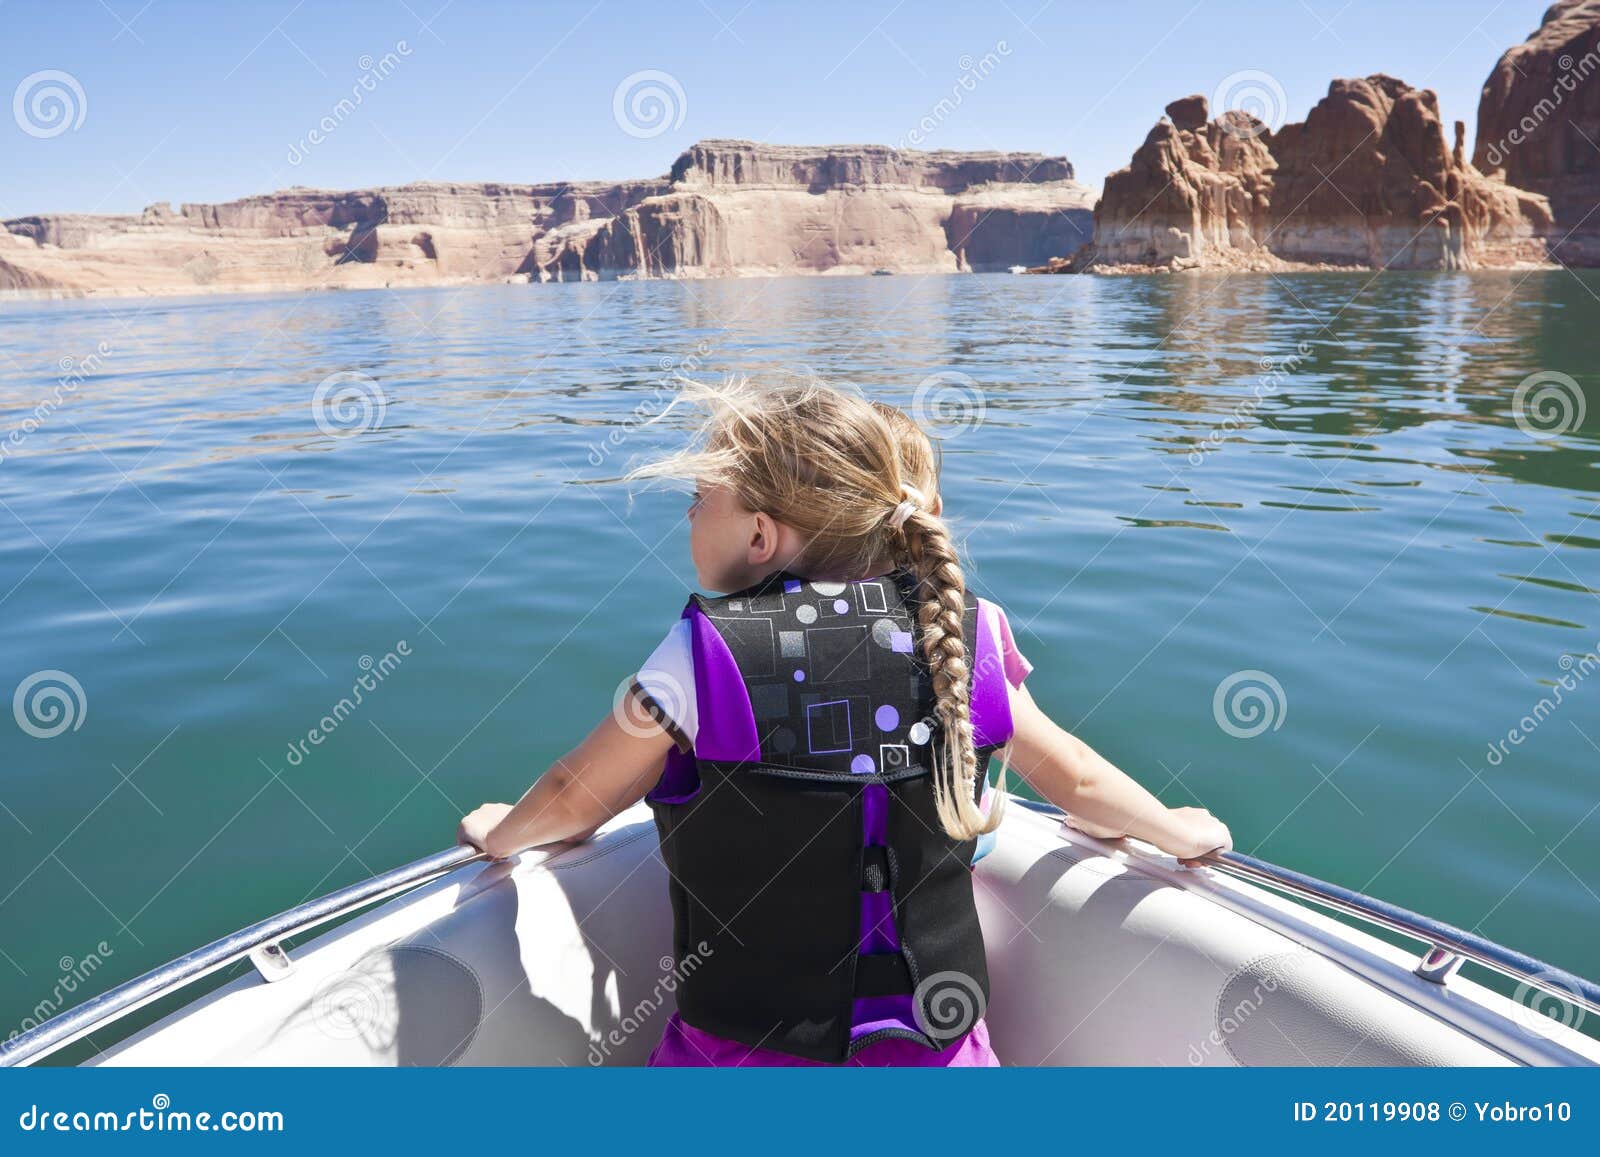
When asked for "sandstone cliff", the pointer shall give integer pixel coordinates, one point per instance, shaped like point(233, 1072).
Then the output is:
point(1539, 124)
point(1365, 181)
point(727, 208)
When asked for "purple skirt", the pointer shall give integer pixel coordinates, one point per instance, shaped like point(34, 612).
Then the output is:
point(683, 1045)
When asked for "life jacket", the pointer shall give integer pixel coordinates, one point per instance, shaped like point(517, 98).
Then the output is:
point(818, 904)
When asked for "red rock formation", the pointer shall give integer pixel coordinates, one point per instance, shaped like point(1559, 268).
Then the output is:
point(1196, 192)
point(1366, 180)
point(1539, 124)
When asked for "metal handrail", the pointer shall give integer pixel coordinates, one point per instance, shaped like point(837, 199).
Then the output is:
point(1457, 943)
point(60, 1031)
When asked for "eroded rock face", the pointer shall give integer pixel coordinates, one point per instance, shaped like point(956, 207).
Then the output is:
point(1365, 181)
point(727, 208)
point(1539, 124)
point(1196, 192)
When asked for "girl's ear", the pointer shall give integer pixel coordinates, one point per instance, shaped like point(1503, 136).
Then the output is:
point(763, 539)
point(938, 506)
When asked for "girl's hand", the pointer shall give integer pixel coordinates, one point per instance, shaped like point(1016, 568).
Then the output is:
point(476, 827)
point(1199, 833)
point(1204, 833)
point(1090, 828)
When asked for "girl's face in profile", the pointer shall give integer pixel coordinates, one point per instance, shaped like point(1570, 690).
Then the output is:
point(733, 547)
point(720, 531)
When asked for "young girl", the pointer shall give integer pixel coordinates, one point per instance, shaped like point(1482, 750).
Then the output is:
point(814, 744)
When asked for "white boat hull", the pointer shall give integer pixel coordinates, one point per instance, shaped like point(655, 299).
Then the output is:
point(1096, 957)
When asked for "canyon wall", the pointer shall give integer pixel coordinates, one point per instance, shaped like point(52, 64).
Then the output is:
point(726, 208)
point(1539, 124)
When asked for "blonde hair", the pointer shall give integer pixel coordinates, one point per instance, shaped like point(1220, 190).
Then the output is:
point(839, 470)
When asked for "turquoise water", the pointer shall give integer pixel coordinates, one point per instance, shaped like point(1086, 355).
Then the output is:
point(1361, 534)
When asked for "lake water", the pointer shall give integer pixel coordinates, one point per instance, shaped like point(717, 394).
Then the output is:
point(1312, 493)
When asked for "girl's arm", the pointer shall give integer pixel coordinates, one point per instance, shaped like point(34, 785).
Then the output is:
point(1102, 800)
point(609, 772)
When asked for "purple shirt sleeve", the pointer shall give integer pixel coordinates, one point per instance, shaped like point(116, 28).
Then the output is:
point(1016, 665)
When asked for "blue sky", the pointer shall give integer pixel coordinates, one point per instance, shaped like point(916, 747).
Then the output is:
point(185, 101)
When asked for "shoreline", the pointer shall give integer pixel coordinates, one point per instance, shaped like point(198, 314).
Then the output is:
point(20, 296)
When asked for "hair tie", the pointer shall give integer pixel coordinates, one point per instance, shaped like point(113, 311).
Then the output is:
point(910, 505)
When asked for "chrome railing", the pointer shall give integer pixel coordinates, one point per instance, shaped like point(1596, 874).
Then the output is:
point(1448, 946)
point(260, 942)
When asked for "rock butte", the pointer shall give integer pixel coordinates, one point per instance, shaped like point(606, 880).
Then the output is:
point(1366, 181)
point(727, 208)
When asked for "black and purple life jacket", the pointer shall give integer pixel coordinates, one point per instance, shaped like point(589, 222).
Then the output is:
point(818, 903)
